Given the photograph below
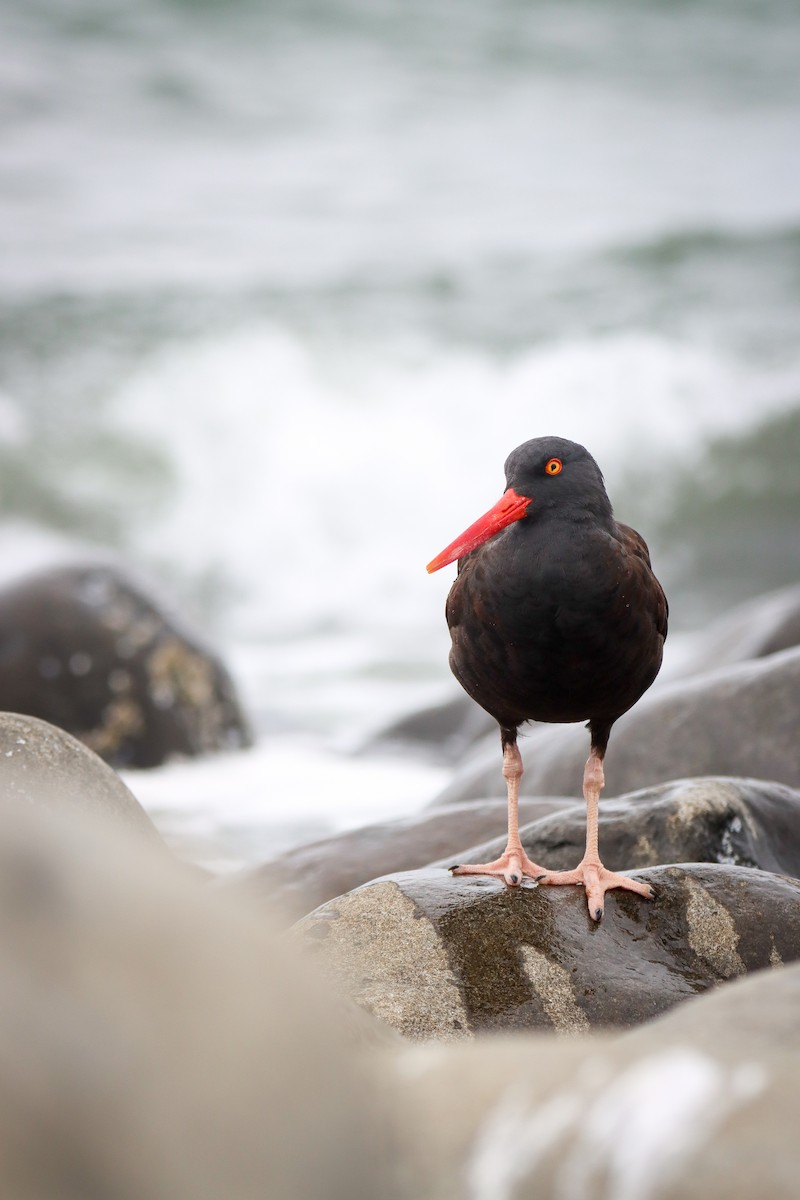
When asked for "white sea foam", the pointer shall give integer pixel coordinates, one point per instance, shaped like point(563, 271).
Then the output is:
point(234, 809)
point(317, 482)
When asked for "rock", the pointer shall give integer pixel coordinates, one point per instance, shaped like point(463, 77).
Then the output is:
point(740, 720)
point(156, 1042)
point(298, 882)
point(743, 822)
point(760, 627)
point(698, 1105)
point(46, 768)
point(446, 730)
point(87, 650)
point(441, 957)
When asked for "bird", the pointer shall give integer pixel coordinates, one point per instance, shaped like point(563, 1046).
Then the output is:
point(555, 616)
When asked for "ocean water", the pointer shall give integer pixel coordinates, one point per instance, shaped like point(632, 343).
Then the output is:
point(281, 286)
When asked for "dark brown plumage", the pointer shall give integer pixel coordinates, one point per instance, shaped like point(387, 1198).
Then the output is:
point(555, 616)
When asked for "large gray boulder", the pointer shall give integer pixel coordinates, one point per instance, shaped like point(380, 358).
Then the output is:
point(741, 720)
point(447, 957)
point(155, 1041)
point(88, 650)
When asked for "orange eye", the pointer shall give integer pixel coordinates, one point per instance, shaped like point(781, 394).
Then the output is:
point(554, 466)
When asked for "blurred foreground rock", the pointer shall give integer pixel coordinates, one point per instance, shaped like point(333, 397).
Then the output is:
point(441, 957)
point(89, 651)
point(42, 767)
point(155, 1042)
point(699, 1105)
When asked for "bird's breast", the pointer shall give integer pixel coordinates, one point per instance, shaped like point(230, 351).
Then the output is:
point(553, 632)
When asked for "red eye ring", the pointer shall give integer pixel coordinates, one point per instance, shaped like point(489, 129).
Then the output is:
point(554, 466)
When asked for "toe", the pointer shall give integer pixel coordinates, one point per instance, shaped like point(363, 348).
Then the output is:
point(513, 872)
point(641, 889)
point(595, 901)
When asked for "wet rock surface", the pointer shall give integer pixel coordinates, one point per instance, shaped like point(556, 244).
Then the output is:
point(446, 958)
point(740, 720)
point(86, 649)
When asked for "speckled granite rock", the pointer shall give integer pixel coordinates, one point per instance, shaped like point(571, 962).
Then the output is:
point(156, 1042)
point(698, 1105)
point(45, 768)
point(740, 720)
point(442, 957)
point(86, 649)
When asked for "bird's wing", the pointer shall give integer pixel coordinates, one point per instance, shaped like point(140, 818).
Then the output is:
point(636, 546)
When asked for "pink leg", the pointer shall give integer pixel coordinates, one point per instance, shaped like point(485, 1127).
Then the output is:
point(513, 863)
point(590, 871)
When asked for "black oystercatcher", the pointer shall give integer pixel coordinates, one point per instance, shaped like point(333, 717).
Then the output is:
point(555, 616)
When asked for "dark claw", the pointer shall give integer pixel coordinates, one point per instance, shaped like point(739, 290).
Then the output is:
point(515, 879)
point(539, 878)
point(454, 867)
point(598, 913)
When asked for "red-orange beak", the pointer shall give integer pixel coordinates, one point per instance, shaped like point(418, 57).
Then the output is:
point(510, 507)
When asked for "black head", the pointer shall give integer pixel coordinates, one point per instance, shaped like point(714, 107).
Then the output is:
point(557, 474)
point(545, 476)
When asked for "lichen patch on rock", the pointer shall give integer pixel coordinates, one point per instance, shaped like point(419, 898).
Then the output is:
point(712, 931)
point(553, 985)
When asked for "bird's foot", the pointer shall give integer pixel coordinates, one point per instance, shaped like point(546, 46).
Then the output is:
point(512, 866)
point(597, 880)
